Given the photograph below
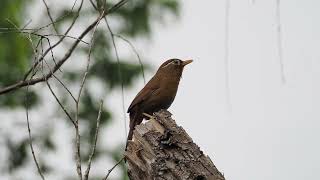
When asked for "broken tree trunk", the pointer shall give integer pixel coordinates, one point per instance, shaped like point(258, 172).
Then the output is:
point(163, 150)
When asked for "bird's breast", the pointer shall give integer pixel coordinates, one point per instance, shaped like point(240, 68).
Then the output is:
point(163, 97)
point(167, 93)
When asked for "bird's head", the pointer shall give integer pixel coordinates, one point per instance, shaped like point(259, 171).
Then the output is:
point(173, 67)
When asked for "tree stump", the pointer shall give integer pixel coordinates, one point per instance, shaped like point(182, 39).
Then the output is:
point(163, 150)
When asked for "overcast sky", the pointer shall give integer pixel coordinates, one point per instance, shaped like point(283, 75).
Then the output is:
point(271, 130)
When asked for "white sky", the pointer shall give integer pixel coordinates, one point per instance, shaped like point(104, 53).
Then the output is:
point(272, 130)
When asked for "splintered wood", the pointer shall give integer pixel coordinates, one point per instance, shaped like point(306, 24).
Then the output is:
point(162, 150)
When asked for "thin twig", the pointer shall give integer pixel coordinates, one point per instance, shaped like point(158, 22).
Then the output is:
point(136, 52)
point(86, 175)
point(77, 145)
point(51, 90)
point(51, 23)
point(110, 170)
point(65, 87)
point(27, 115)
point(57, 99)
point(52, 56)
point(94, 5)
point(46, 76)
point(42, 35)
point(279, 42)
point(78, 155)
point(119, 75)
point(29, 133)
point(59, 41)
point(61, 17)
point(50, 17)
point(56, 67)
point(25, 26)
point(35, 52)
point(25, 82)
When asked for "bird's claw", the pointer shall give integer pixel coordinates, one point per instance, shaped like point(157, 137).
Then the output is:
point(148, 115)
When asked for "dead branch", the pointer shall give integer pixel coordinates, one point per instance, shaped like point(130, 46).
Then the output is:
point(163, 150)
point(94, 145)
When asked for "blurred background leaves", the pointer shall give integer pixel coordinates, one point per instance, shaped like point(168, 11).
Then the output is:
point(132, 21)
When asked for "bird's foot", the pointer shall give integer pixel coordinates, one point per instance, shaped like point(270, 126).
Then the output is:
point(148, 115)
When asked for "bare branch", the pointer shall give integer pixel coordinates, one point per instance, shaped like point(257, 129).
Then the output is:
point(57, 99)
point(94, 5)
point(110, 170)
point(51, 90)
point(50, 17)
point(136, 52)
point(39, 63)
point(25, 82)
point(65, 87)
point(42, 35)
point(60, 40)
point(62, 17)
point(27, 115)
point(78, 155)
point(119, 74)
point(86, 175)
point(30, 137)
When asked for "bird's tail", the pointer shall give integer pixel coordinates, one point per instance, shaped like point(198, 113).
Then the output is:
point(135, 119)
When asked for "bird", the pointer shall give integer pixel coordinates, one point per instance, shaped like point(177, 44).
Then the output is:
point(157, 94)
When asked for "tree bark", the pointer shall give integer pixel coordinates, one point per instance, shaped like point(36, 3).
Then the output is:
point(163, 150)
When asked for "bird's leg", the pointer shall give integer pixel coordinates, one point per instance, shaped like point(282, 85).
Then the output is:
point(148, 115)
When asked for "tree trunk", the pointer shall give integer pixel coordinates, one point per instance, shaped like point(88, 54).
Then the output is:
point(162, 150)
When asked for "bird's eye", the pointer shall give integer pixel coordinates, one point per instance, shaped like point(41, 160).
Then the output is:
point(176, 62)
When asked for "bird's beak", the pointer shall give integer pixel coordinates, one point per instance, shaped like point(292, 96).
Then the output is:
point(186, 62)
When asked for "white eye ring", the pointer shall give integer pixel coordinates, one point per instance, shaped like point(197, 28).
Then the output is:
point(175, 62)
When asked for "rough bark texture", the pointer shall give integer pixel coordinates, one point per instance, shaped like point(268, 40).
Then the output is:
point(162, 150)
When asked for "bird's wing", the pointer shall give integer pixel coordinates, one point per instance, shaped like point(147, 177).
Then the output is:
point(144, 94)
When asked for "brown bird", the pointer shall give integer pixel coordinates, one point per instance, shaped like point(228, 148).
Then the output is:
point(158, 93)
